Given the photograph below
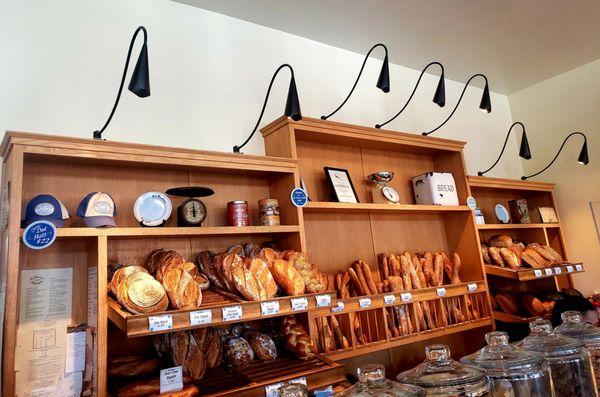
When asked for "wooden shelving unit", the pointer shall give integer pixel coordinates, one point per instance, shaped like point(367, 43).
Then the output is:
point(382, 208)
point(527, 274)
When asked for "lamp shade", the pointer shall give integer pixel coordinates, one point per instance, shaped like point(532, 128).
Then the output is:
point(583, 155)
point(524, 150)
point(383, 82)
point(440, 92)
point(140, 79)
point(486, 103)
point(292, 105)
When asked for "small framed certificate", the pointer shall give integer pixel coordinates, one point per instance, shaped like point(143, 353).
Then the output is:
point(341, 184)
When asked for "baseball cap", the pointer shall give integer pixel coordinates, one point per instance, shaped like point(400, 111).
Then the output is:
point(97, 209)
point(48, 208)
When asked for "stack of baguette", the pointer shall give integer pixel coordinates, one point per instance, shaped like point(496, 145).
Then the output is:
point(330, 335)
point(503, 251)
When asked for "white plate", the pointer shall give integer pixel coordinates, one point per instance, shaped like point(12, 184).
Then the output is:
point(502, 213)
point(152, 208)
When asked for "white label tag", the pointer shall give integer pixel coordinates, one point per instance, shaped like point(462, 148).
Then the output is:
point(406, 297)
point(171, 379)
point(232, 313)
point(569, 269)
point(557, 270)
point(269, 308)
point(160, 323)
point(199, 317)
point(273, 390)
point(548, 272)
point(579, 268)
point(323, 300)
point(338, 308)
point(537, 273)
point(389, 299)
point(301, 380)
point(364, 302)
point(472, 287)
point(299, 304)
point(440, 291)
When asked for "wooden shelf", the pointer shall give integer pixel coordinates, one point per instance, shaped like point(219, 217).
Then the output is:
point(510, 184)
point(513, 318)
point(134, 325)
point(510, 226)
point(74, 232)
point(321, 206)
point(526, 274)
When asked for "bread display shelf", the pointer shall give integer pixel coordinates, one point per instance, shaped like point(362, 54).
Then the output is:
point(511, 226)
point(512, 318)
point(323, 206)
point(74, 232)
point(135, 325)
point(528, 274)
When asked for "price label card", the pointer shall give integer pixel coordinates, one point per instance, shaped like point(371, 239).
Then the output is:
point(364, 302)
point(323, 300)
point(569, 269)
point(557, 270)
point(440, 291)
point(579, 268)
point(269, 308)
point(299, 304)
point(537, 273)
point(389, 299)
point(160, 323)
point(471, 287)
point(406, 297)
point(199, 317)
point(232, 313)
point(301, 381)
point(273, 390)
point(338, 308)
point(171, 379)
point(548, 272)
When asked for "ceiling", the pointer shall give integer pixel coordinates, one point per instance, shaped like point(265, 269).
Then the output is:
point(516, 43)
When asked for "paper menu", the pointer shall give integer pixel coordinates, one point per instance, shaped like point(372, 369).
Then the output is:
point(46, 295)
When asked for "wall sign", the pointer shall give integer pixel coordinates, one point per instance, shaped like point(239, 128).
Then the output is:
point(39, 235)
point(299, 197)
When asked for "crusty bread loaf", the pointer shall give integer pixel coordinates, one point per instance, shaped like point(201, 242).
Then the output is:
point(247, 284)
point(308, 272)
point(548, 254)
point(533, 259)
point(238, 351)
point(263, 346)
point(230, 262)
point(187, 391)
point(501, 241)
point(516, 248)
point(149, 387)
point(121, 274)
point(508, 303)
point(485, 253)
point(287, 277)
point(496, 257)
point(183, 290)
point(135, 367)
point(140, 293)
point(533, 305)
point(510, 258)
point(260, 269)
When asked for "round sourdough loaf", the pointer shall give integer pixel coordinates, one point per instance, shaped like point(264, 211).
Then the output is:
point(121, 274)
point(140, 293)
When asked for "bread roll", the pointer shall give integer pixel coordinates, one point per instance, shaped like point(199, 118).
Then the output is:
point(510, 258)
point(287, 277)
point(182, 289)
point(238, 351)
point(501, 241)
point(140, 293)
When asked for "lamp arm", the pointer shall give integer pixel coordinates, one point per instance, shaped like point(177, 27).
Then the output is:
point(236, 149)
point(412, 94)
point(557, 153)
point(457, 103)
point(480, 173)
point(357, 78)
point(98, 134)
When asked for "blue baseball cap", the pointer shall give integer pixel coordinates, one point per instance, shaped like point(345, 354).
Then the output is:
point(47, 208)
point(97, 209)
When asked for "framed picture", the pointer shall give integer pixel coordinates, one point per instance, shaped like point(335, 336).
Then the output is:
point(547, 215)
point(341, 185)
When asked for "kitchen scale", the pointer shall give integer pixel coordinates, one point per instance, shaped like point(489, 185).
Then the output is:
point(192, 212)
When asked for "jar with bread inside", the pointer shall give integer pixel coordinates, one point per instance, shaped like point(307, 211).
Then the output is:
point(372, 382)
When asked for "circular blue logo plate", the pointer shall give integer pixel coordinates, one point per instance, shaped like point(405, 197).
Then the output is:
point(39, 235)
point(299, 197)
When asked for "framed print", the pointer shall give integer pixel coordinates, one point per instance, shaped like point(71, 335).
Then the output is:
point(547, 215)
point(341, 185)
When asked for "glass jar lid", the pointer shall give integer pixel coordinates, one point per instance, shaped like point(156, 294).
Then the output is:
point(372, 382)
point(499, 355)
point(574, 327)
point(542, 339)
point(440, 370)
point(293, 390)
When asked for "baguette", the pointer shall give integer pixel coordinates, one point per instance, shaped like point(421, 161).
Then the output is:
point(320, 334)
point(136, 367)
point(456, 264)
point(357, 285)
point(361, 278)
point(395, 267)
point(384, 269)
point(438, 267)
point(405, 266)
point(328, 334)
point(368, 277)
point(339, 335)
point(390, 322)
point(187, 391)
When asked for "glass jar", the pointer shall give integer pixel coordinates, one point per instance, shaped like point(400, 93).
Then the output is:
point(569, 360)
point(441, 376)
point(293, 390)
point(574, 327)
point(512, 371)
point(372, 382)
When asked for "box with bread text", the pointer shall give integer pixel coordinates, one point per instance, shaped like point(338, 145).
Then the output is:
point(435, 188)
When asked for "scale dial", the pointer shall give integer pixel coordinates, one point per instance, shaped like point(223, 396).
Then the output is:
point(390, 194)
point(192, 212)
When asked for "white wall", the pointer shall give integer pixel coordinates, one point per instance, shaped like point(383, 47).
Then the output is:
point(62, 61)
point(552, 109)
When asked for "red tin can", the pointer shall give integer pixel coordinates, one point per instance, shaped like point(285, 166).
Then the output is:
point(237, 213)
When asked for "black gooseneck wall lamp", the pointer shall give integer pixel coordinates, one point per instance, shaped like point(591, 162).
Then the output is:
point(524, 151)
point(439, 97)
point(140, 78)
point(485, 104)
point(582, 159)
point(383, 82)
point(292, 105)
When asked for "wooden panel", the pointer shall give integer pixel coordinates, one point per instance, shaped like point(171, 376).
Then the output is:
point(462, 238)
point(281, 143)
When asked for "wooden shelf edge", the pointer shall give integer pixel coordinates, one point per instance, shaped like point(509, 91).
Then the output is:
point(509, 226)
point(512, 318)
point(321, 206)
point(504, 183)
point(527, 274)
point(406, 340)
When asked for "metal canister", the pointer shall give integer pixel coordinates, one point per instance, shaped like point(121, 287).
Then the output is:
point(268, 212)
point(237, 213)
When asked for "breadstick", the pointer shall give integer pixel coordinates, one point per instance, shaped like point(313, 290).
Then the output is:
point(357, 286)
point(384, 269)
point(368, 277)
point(361, 278)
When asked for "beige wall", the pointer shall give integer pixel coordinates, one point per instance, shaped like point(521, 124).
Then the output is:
point(551, 110)
point(62, 61)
